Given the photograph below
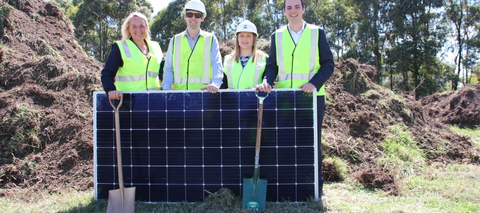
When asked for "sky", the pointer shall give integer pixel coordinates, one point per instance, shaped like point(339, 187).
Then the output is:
point(158, 5)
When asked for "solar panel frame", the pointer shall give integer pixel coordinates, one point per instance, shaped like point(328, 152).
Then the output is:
point(216, 120)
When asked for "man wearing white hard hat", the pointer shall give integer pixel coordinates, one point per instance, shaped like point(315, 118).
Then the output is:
point(245, 65)
point(300, 57)
point(193, 59)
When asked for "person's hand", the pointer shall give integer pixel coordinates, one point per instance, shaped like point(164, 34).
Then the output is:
point(264, 87)
point(308, 88)
point(114, 95)
point(211, 88)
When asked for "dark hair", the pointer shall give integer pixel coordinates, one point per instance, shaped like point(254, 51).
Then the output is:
point(303, 4)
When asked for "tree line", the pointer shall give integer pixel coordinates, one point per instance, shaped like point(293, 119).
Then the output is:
point(408, 41)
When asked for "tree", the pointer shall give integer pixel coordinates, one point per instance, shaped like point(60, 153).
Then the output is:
point(464, 15)
point(415, 38)
point(168, 22)
point(98, 22)
point(370, 34)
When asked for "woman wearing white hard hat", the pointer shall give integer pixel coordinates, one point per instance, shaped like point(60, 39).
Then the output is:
point(244, 67)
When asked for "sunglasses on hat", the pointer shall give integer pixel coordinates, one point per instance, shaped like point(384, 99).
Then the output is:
point(197, 15)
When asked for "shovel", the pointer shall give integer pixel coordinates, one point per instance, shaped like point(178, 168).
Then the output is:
point(122, 199)
point(255, 189)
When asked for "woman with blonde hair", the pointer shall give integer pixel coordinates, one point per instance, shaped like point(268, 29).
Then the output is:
point(134, 63)
point(244, 67)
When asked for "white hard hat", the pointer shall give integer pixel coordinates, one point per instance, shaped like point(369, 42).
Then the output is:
point(196, 5)
point(247, 26)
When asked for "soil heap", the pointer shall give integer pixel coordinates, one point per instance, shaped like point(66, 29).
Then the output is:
point(461, 107)
point(46, 87)
point(359, 117)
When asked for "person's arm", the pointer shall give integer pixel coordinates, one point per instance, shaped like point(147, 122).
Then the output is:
point(168, 68)
point(225, 78)
point(271, 69)
point(216, 61)
point(109, 71)
point(160, 72)
point(326, 61)
point(263, 68)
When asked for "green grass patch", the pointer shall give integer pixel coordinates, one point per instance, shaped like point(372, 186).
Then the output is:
point(22, 129)
point(401, 153)
point(5, 11)
point(451, 188)
point(474, 134)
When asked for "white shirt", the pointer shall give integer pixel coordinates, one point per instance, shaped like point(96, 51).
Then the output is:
point(296, 35)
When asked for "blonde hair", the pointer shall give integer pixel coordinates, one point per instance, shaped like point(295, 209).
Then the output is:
point(126, 24)
point(255, 51)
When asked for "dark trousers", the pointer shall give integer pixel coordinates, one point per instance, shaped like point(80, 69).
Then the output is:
point(320, 113)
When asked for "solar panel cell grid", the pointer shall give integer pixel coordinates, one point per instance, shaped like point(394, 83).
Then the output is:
point(177, 145)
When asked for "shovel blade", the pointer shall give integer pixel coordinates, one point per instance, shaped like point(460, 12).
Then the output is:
point(118, 204)
point(254, 197)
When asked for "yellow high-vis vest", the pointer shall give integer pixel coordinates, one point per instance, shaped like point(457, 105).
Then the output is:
point(244, 77)
point(297, 64)
point(139, 72)
point(192, 70)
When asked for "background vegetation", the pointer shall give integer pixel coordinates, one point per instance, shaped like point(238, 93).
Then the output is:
point(409, 41)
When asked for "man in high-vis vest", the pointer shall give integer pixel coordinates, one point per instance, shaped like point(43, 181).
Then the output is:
point(301, 58)
point(193, 59)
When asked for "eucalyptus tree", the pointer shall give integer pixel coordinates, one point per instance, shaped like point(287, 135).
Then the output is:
point(97, 23)
point(370, 33)
point(464, 15)
point(341, 24)
point(414, 38)
point(267, 15)
point(336, 18)
point(168, 22)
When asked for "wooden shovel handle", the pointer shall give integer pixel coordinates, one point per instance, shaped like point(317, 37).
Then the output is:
point(259, 129)
point(118, 143)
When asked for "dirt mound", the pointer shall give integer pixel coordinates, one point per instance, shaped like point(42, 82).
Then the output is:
point(46, 87)
point(358, 117)
point(461, 107)
point(375, 178)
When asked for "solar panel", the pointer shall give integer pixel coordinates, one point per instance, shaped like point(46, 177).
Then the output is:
point(180, 145)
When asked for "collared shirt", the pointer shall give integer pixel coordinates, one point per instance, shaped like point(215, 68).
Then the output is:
point(296, 35)
point(215, 59)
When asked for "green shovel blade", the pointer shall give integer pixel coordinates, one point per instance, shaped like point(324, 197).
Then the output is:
point(254, 196)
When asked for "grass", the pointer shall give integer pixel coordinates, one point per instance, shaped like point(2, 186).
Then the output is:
point(474, 134)
point(433, 188)
point(452, 188)
point(25, 137)
point(401, 152)
point(442, 188)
